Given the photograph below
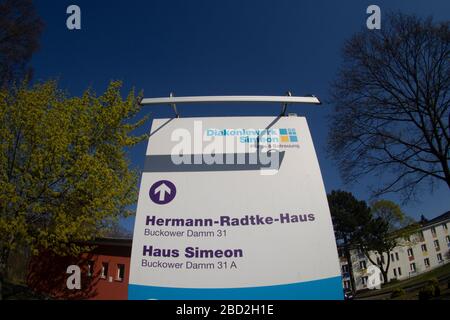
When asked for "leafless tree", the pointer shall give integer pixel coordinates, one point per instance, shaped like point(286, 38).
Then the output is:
point(20, 28)
point(391, 98)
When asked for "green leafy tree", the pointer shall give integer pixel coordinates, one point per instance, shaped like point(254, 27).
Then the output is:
point(349, 216)
point(63, 167)
point(388, 228)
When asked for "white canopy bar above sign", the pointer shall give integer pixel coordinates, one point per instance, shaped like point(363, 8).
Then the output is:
point(216, 99)
point(284, 100)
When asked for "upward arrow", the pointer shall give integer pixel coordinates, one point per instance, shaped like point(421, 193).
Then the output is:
point(162, 190)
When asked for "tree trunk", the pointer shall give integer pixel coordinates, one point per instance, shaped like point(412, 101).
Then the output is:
point(385, 276)
point(386, 270)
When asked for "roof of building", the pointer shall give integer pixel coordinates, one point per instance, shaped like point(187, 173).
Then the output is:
point(440, 218)
point(443, 217)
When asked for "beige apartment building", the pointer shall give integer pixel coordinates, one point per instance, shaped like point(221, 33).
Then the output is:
point(424, 251)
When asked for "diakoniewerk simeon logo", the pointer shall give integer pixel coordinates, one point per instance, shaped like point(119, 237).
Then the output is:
point(256, 135)
point(212, 146)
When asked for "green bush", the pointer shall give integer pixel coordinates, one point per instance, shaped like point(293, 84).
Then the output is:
point(393, 281)
point(437, 291)
point(426, 293)
point(435, 284)
point(430, 290)
point(398, 292)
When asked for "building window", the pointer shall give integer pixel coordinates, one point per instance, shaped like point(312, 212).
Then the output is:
point(436, 245)
point(396, 256)
point(421, 236)
point(345, 268)
point(380, 260)
point(444, 225)
point(412, 267)
point(433, 231)
point(399, 271)
point(424, 248)
point(392, 257)
point(439, 257)
point(426, 262)
point(364, 280)
point(362, 264)
point(104, 273)
point(347, 284)
point(448, 239)
point(395, 272)
point(90, 268)
point(410, 253)
point(120, 272)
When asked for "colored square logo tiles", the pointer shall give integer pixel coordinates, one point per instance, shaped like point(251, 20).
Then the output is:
point(288, 135)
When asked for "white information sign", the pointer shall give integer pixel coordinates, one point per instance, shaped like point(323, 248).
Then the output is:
point(233, 208)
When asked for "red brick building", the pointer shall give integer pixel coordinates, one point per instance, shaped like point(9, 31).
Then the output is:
point(104, 272)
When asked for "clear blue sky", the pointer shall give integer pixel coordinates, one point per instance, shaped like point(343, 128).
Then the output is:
point(218, 48)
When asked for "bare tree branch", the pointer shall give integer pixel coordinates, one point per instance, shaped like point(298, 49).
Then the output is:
point(392, 102)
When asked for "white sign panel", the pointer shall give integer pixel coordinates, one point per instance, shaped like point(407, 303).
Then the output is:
point(233, 208)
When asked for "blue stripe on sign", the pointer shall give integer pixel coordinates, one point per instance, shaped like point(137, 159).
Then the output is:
point(324, 289)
